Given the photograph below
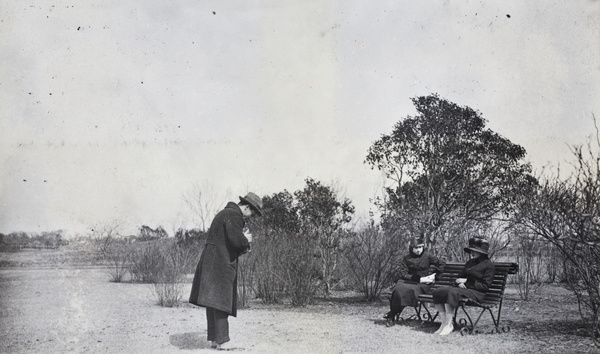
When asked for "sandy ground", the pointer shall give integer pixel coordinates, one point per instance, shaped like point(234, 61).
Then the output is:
point(58, 310)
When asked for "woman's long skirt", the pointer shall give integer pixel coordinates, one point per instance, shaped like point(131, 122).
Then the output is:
point(406, 294)
point(452, 295)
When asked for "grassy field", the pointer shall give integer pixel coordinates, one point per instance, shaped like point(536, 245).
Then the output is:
point(52, 302)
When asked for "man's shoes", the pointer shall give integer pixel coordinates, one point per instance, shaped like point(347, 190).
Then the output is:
point(227, 346)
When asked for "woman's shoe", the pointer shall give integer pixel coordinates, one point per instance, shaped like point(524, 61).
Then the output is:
point(447, 329)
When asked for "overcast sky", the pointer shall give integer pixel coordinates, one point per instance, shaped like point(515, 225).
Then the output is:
point(115, 109)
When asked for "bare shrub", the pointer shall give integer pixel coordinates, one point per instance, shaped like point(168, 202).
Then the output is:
point(566, 212)
point(190, 243)
point(371, 258)
point(299, 270)
point(245, 276)
point(264, 259)
point(279, 223)
point(530, 256)
point(168, 294)
point(161, 264)
point(169, 283)
point(119, 266)
point(283, 266)
point(146, 263)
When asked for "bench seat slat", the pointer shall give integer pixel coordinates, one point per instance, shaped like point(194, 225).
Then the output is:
point(494, 294)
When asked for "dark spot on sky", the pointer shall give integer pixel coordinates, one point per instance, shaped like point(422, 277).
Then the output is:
point(142, 82)
point(45, 181)
point(24, 180)
point(507, 15)
point(214, 13)
point(78, 28)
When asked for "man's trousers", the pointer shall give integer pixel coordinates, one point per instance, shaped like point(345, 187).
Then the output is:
point(218, 325)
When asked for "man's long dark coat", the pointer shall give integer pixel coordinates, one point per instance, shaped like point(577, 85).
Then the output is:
point(215, 281)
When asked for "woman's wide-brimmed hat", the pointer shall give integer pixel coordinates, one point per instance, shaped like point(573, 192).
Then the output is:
point(478, 244)
point(254, 201)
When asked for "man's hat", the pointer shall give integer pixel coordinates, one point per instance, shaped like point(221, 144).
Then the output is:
point(254, 201)
point(478, 244)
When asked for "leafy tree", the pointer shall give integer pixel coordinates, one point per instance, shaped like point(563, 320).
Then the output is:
point(271, 235)
point(322, 217)
point(450, 175)
point(297, 243)
point(147, 233)
point(190, 237)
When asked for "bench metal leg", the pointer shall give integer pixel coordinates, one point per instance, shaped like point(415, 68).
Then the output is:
point(462, 323)
point(422, 314)
point(469, 327)
point(417, 314)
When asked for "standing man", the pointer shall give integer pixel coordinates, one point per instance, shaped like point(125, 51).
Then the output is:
point(215, 281)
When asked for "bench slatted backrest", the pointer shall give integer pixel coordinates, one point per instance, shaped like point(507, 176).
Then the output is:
point(495, 292)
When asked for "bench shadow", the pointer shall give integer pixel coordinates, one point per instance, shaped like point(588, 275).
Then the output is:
point(414, 324)
point(191, 340)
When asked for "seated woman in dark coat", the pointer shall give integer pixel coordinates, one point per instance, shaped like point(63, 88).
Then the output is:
point(416, 277)
point(473, 282)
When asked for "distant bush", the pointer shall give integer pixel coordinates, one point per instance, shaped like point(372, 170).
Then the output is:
point(147, 233)
point(16, 241)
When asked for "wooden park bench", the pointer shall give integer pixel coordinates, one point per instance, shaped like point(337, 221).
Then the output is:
point(492, 302)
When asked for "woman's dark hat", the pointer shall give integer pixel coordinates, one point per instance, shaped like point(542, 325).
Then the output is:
point(478, 244)
point(254, 201)
point(417, 241)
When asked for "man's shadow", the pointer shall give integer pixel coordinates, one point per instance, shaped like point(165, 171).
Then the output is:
point(191, 340)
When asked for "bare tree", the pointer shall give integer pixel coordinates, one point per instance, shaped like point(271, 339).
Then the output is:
point(104, 235)
point(567, 213)
point(203, 202)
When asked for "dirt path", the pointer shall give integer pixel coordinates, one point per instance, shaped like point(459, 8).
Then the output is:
point(79, 310)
